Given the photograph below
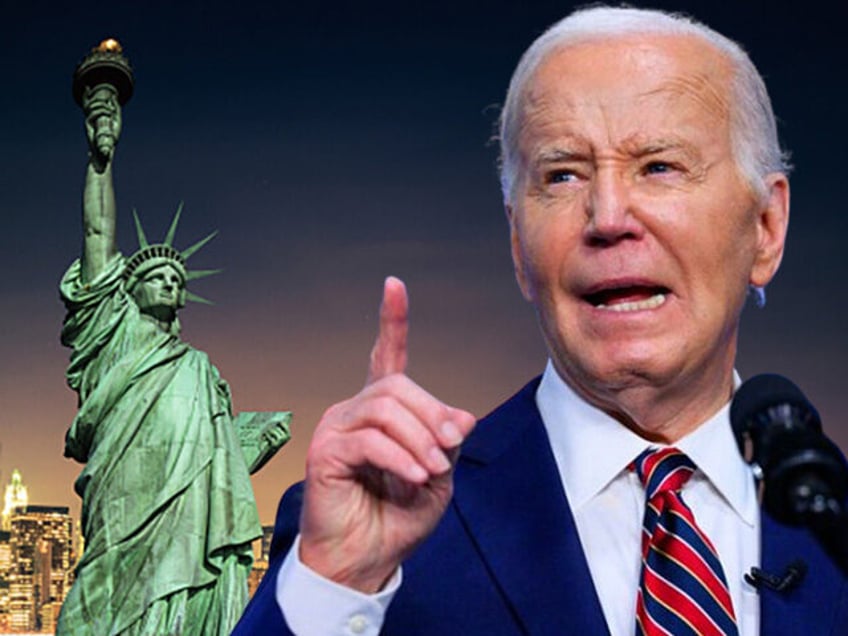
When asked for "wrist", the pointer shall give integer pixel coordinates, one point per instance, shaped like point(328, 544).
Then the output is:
point(343, 565)
point(98, 164)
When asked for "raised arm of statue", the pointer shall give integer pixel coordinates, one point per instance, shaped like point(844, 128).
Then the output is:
point(103, 127)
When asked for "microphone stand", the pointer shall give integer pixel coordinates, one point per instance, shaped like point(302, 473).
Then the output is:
point(833, 534)
point(811, 502)
point(829, 523)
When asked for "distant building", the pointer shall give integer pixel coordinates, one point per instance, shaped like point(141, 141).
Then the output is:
point(41, 556)
point(16, 497)
point(255, 576)
point(265, 550)
point(260, 565)
point(5, 567)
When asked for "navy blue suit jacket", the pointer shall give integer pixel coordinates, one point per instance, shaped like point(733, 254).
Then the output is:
point(506, 559)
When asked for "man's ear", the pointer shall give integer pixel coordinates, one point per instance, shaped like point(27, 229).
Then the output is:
point(772, 223)
point(515, 248)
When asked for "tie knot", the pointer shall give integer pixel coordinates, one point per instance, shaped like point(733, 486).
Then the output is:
point(662, 470)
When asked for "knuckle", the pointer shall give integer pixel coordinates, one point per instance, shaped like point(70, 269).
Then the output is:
point(382, 405)
point(314, 454)
point(384, 386)
point(334, 413)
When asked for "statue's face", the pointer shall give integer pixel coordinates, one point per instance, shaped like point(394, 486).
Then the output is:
point(159, 292)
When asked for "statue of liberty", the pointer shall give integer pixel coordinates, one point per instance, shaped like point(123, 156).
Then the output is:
point(168, 512)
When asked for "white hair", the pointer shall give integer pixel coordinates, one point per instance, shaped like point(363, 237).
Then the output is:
point(753, 129)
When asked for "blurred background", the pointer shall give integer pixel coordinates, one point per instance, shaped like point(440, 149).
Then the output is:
point(333, 145)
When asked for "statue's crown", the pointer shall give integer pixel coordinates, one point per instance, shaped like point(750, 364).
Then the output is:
point(150, 256)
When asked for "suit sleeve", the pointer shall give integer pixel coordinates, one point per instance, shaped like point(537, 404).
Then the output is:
point(263, 615)
point(293, 599)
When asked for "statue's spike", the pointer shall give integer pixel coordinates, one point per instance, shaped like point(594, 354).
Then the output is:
point(197, 299)
point(187, 253)
point(142, 239)
point(169, 237)
point(201, 273)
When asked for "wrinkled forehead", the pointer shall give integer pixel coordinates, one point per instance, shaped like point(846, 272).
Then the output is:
point(634, 80)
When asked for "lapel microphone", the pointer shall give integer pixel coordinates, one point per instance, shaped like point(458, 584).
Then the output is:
point(791, 578)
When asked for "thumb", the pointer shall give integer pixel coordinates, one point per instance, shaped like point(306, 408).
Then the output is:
point(388, 355)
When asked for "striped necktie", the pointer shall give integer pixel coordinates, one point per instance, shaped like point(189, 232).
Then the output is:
point(682, 588)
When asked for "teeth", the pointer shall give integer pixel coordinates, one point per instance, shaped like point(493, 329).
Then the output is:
point(636, 305)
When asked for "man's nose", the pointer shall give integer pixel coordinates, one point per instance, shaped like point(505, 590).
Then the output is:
point(610, 211)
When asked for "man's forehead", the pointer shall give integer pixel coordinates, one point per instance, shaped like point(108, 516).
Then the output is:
point(633, 66)
point(658, 73)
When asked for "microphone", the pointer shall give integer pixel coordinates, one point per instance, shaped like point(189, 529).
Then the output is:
point(804, 475)
point(792, 577)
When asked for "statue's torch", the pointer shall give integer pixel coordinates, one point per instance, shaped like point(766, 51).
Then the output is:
point(103, 76)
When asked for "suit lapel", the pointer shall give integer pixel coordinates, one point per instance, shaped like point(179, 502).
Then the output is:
point(510, 499)
point(819, 604)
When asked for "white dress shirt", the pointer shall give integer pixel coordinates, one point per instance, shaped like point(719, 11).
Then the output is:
point(316, 606)
point(592, 452)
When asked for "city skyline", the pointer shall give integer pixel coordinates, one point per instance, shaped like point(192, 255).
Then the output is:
point(332, 147)
point(38, 557)
point(39, 548)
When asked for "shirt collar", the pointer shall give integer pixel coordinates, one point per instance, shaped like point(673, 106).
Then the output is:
point(592, 448)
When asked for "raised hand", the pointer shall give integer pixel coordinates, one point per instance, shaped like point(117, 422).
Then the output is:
point(378, 470)
point(102, 122)
point(103, 128)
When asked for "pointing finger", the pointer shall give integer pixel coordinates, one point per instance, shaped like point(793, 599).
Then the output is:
point(389, 353)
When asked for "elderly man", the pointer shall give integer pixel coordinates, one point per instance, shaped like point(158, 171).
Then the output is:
point(646, 195)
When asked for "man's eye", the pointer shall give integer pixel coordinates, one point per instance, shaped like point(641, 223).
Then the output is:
point(560, 176)
point(658, 167)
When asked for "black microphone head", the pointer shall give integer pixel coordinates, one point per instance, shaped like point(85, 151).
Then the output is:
point(779, 432)
point(763, 392)
point(765, 400)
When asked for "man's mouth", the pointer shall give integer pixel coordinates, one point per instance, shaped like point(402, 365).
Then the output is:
point(628, 298)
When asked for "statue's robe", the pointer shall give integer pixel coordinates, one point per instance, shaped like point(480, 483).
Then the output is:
point(168, 513)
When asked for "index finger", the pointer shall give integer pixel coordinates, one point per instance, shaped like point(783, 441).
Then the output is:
point(388, 355)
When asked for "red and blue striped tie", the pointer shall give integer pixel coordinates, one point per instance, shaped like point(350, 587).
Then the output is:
point(682, 588)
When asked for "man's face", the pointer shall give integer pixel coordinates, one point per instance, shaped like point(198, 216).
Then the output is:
point(633, 232)
point(158, 292)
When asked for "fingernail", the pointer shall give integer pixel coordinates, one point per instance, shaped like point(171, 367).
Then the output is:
point(438, 460)
point(451, 434)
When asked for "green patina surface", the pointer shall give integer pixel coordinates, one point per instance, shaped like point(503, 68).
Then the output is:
point(168, 510)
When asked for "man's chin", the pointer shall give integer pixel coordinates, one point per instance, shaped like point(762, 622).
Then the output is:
point(611, 371)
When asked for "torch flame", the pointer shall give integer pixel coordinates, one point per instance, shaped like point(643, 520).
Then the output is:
point(110, 45)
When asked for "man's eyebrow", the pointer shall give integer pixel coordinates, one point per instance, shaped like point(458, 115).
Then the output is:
point(557, 155)
point(640, 148)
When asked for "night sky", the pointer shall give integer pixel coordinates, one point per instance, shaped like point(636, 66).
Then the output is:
point(332, 146)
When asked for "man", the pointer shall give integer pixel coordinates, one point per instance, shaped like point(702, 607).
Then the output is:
point(646, 194)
